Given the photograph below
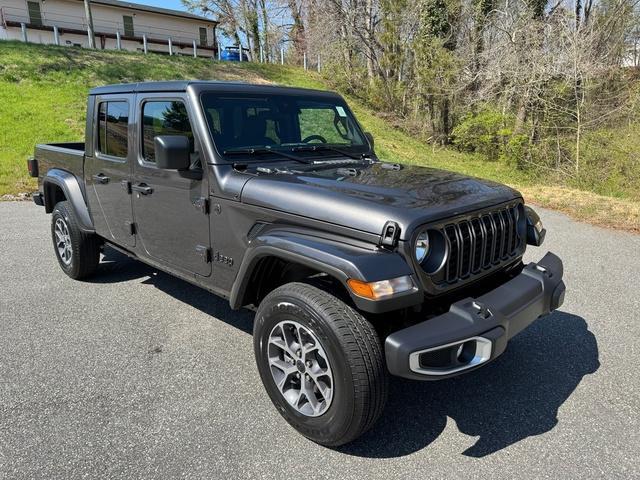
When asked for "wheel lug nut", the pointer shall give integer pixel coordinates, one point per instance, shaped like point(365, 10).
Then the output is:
point(299, 353)
point(297, 374)
point(309, 364)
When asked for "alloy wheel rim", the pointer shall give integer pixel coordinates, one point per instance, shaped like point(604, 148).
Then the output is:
point(63, 241)
point(300, 368)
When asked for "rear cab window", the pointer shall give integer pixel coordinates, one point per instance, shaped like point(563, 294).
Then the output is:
point(113, 126)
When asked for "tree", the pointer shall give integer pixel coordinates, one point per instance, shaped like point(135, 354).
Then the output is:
point(297, 33)
point(543, 73)
point(238, 19)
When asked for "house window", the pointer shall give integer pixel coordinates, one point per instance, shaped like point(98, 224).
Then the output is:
point(113, 123)
point(35, 17)
point(203, 36)
point(127, 21)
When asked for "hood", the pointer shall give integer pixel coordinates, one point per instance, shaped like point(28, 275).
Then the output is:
point(368, 196)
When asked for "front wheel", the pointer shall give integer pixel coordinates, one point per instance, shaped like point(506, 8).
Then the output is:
point(321, 363)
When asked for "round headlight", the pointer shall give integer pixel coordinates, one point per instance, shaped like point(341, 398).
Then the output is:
point(422, 246)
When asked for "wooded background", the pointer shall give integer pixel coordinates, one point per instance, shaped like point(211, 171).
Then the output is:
point(546, 86)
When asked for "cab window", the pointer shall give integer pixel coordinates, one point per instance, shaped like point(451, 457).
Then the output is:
point(325, 123)
point(241, 121)
point(113, 123)
point(165, 117)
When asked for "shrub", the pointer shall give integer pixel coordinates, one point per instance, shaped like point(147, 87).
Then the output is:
point(516, 150)
point(486, 133)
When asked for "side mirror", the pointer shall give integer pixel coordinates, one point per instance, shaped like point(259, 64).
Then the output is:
point(173, 152)
point(370, 138)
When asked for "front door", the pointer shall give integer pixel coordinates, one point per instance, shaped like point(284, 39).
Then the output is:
point(108, 169)
point(171, 225)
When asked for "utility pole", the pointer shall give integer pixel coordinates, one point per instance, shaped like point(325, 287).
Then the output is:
point(90, 33)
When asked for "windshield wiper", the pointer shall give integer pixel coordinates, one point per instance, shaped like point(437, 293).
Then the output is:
point(263, 151)
point(315, 148)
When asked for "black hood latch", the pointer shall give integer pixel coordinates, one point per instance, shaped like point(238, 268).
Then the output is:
point(390, 235)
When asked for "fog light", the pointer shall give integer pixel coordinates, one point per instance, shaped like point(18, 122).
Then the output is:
point(451, 358)
point(381, 289)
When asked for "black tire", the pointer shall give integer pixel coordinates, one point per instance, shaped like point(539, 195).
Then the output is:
point(85, 247)
point(354, 351)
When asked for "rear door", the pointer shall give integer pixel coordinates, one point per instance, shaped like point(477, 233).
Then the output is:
point(171, 224)
point(108, 170)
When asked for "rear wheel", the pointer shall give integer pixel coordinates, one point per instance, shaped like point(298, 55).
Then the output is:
point(321, 363)
point(78, 253)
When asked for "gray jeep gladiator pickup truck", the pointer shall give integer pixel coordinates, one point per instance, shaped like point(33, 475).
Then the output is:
point(274, 199)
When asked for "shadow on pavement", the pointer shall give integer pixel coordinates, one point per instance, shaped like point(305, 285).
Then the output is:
point(116, 267)
point(515, 397)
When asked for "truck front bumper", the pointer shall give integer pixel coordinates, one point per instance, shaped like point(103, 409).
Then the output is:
point(476, 330)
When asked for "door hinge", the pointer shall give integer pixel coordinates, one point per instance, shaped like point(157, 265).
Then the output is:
point(126, 186)
point(130, 227)
point(390, 235)
point(202, 204)
point(204, 253)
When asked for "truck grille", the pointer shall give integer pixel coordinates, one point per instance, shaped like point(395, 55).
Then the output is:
point(478, 244)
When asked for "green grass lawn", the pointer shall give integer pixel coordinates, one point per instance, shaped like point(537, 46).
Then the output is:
point(43, 92)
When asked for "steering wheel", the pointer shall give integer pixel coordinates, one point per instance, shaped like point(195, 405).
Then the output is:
point(314, 137)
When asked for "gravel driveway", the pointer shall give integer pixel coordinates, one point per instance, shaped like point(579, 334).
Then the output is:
point(136, 374)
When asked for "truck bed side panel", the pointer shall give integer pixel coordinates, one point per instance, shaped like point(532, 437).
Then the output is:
point(65, 156)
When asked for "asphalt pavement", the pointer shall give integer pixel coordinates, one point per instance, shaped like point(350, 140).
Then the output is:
point(135, 374)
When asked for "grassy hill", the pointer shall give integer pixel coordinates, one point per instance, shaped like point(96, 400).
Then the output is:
point(42, 99)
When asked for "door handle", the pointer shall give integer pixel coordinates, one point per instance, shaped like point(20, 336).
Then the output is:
point(100, 178)
point(142, 188)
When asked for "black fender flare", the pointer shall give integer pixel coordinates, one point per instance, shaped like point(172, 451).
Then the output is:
point(340, 260)
point(70, 185)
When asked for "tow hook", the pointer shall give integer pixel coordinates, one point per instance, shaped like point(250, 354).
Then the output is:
point(481, 309)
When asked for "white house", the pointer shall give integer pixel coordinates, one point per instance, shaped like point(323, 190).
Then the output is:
point(125, 25)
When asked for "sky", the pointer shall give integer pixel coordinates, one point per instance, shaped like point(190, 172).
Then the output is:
point(172, 4)
point(175, 5)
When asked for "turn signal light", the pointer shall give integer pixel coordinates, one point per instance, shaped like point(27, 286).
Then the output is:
point(381, 289)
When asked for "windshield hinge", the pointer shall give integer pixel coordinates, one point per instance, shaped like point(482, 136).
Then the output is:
point(390, 235)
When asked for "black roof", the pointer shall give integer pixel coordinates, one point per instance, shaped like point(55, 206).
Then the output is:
point(148, 8)
point(181, 86)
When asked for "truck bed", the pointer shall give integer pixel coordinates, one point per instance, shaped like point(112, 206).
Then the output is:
point(67, 156)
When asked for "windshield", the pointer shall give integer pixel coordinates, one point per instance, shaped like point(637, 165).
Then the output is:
point(240, 122)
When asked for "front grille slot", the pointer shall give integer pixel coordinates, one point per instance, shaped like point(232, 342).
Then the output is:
point(454, 248)
point(481, 243)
